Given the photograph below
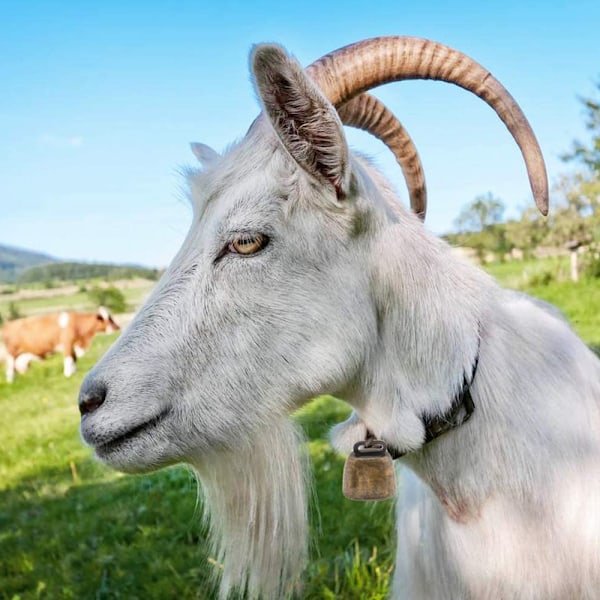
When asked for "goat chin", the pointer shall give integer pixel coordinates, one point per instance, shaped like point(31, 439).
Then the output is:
point(256, 508)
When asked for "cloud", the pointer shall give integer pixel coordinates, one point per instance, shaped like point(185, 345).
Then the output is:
point(56, 141)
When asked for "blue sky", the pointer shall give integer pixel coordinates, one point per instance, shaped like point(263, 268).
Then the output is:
point(98, 102)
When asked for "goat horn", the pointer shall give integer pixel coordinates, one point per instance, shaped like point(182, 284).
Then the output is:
point(356, 68)
point(370, 114)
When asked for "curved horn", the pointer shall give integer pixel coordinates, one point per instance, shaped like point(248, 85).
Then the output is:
point(370, 114)
point(347, 72)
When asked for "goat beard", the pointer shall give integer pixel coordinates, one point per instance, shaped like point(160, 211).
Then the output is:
point(257, 511)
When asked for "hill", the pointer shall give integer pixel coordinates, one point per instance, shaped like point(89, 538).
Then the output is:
point(14, 261)
point(73, 271)
point(18, 265)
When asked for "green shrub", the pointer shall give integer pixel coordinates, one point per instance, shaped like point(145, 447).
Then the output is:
point(13, 311)
point(590, 264)
point(111, 297)
point(541, 278)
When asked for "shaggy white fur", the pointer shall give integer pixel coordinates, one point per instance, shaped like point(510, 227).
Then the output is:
point(256, 505)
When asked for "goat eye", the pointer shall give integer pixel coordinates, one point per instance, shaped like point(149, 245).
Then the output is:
point(248, 244)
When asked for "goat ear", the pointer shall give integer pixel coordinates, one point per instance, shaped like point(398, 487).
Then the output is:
point(305, 121)
point(205, 154)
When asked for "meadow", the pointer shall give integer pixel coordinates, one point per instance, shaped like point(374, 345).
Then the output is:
point(31, 299)
point(71, 528)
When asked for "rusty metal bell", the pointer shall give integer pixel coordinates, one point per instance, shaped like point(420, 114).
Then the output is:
point(369, 472)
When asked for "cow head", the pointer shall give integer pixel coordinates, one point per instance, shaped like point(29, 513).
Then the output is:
point(105, 322)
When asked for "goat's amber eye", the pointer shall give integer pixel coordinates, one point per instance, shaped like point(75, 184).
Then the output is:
point(249, 243)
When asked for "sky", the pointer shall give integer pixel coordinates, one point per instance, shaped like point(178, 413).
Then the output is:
point(99, 101)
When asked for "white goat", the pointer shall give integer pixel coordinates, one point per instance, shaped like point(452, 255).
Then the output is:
point(301, 275)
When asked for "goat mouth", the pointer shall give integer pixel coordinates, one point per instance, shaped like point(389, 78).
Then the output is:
point(129, 436)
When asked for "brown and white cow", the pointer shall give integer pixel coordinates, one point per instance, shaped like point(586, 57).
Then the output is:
point(35, 338)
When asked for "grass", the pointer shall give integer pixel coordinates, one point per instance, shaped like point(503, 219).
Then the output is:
point(521, 274)
point(71, 528)
point(580, 302)
point(78, 301)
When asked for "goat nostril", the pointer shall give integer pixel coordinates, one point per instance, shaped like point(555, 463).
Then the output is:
point(91, 398)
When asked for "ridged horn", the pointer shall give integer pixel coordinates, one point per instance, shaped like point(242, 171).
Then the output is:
point(349, 71)
point(370, 114)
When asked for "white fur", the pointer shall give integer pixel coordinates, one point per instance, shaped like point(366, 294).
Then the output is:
point(63, 320)
point(205, 154)
point(79, 351)
point(23, 361)
point(258, 512)
point(357, 299)
point(69, 366)
point(10, 368)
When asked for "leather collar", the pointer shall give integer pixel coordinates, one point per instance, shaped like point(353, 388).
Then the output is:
point(459, 413)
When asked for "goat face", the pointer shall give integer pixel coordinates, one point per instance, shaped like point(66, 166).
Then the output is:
point(267, 303)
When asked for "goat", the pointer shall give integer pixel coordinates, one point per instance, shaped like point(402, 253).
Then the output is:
point(302, 275)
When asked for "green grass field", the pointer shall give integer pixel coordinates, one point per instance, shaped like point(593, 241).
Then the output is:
point(71, 528)
point(71, 300)
point(580, 302)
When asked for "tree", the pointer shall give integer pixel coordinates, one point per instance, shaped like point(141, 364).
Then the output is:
point(484, 212)
point(480, 224)
point(588, 155)
point(528, 232)
point(111, 297)
point(575, 216)
point(576, 221)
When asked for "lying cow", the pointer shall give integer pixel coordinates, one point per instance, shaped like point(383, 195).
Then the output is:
point(35, 338)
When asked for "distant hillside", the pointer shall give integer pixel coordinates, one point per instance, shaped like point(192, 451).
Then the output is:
point(18, 265)
point(72, 271)
point(14, 261)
